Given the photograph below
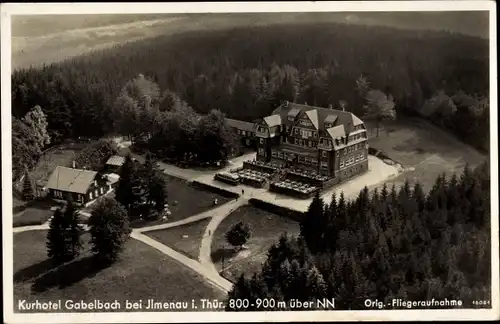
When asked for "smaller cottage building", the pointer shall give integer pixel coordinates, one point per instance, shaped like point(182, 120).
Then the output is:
point(114, 163)
point(82, 185)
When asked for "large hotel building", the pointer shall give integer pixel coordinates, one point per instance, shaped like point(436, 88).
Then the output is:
point(331, 142)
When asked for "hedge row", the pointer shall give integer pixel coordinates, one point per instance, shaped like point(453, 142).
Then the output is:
point(380, 154)
point(278, 210)
point(220, 191)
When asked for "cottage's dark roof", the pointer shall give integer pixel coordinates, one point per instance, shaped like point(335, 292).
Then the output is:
point(71, 180)
point(242, 125)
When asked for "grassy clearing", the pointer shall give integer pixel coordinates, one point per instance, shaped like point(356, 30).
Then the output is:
point(141, 273)
point(424, 150)
point(31, 216)
point(266, 230)
point(62, 155)
point(185, 239)
point(185, 201)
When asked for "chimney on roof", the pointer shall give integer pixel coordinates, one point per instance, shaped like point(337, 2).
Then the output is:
point(330, 106)
point(342, 104)
point(74, 164)
point(285, 103)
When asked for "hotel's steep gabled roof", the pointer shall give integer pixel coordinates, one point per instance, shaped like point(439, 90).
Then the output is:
point(313, 117)
point(241, 125)
point(356, 121)
point(319, 116)
point(273, 120)
point(331, 119)
point(336, 131)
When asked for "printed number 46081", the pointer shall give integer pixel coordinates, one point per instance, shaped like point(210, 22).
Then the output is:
point(481, 302)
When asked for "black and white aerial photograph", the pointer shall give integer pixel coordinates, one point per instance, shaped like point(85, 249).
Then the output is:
point(215, 159)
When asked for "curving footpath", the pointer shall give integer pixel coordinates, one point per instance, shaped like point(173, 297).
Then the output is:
point(42, 227)
point(205, 267)
point(228, 207)
point(214, 278)
point(206, 243)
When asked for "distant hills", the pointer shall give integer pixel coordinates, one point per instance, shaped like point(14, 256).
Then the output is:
point(472, 23)
point(52, 38)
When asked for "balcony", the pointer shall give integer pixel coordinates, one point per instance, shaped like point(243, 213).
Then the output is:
point(325, 146)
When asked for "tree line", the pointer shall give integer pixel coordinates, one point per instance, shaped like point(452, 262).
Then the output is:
point(29, 138)
point(387, 244)
point(247, 72)
point(162, 123)
point(142, 189)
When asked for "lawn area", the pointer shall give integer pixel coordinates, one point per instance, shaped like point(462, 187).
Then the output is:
point(141, 273)
point(31, 216)
point(34, 212)
point(62, 155)
point(266, 230)
point(423, 149)
point(185, 200)
point(185, 239)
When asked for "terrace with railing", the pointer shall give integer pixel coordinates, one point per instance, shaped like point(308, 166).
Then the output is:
point(254, 178)
point(307, 176)
point(294, 188)
point(268, 167)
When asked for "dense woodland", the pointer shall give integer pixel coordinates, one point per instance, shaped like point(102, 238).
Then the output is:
point(246, 72)
point(393, 243)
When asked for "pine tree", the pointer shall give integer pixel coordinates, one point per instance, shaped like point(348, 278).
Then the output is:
point(330, 228)
point(310, 226)
point(28, 193)
point(73, 230)
point(316, 285)
point(55, 237)
point(124, 194)
point(131, 191)
point(149, 169)
point(158, 192)
point(241, 290)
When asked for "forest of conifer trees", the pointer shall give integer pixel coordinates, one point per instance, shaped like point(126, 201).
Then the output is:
point(395, 243)
point(246, 72)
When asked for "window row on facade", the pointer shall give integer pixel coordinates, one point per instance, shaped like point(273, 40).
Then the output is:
point(300, 158)
point(80, 197)
point(244, 132)
point(351, 160)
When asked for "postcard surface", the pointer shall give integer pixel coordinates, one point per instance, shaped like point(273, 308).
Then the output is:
point(196, 162)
